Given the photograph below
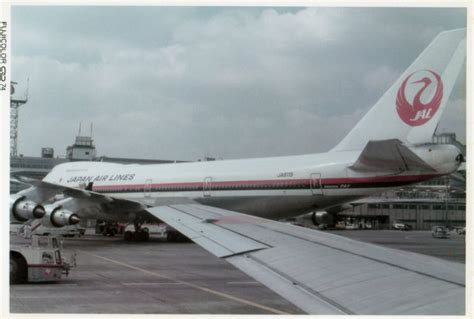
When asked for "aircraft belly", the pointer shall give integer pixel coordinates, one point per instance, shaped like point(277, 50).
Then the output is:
point(273, 204)
point(275, 207)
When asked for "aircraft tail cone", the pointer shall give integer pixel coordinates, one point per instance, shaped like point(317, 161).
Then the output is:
point(39, 212)
point(74, 219)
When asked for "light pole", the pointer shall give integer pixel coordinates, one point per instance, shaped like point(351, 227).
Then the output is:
point(446, 198)
point(14, 106)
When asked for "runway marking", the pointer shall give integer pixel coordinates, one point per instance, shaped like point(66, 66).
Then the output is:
point(150, 283)
point(211, 291)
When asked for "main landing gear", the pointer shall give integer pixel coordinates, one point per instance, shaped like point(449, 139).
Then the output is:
point(140, 234)
point(172, 235)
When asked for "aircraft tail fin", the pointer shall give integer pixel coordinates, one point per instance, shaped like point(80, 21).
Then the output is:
point(410, 110)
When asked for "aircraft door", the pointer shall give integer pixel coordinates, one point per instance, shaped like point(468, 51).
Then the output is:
point(147, 189)
point(315, 184)
point(207, 187)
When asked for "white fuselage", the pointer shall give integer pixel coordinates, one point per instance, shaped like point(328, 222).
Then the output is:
point(268, 187)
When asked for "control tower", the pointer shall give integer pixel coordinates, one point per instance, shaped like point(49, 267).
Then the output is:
point(15, 104)
point(83, 148)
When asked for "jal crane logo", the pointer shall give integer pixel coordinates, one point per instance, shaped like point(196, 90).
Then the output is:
point(426, 98)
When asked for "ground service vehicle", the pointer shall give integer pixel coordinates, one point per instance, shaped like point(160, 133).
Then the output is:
point(66, 231)
point(36, 262)
point(109, 229)
point(440, 232)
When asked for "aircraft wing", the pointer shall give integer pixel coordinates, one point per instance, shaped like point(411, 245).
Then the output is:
point(82, 201)
point(42, 191)
point(87, 202)
point(323, 273)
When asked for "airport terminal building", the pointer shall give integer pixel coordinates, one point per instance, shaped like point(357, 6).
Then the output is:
point(420, 207)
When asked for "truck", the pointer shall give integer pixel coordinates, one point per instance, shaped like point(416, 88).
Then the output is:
point(161, 230)
point(39, 260)
point(109, 229)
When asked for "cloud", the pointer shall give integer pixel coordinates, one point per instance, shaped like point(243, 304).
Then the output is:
point(181, 83)
point(381, 78)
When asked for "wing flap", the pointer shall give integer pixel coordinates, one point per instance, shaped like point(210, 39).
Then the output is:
point(218, 241)
point(296, 294)
point(323, 273)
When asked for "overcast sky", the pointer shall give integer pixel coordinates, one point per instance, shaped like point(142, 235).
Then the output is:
point(231, 82)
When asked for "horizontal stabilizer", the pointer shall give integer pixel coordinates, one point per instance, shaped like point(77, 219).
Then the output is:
point(389, 156)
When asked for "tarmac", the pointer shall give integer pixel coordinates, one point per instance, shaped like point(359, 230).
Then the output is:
point(421, 242)
point(157, 277)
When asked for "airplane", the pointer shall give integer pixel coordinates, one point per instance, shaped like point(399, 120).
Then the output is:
point(229, 207)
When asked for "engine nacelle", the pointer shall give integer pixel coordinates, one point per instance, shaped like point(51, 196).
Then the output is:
point(56, 216)
point(22, 209)
point(322, 218)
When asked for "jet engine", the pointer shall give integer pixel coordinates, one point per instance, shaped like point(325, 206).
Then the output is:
point(322, 218)
point(22, 209)
point(56, 216)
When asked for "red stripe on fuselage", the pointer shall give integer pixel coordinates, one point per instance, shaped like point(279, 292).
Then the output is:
point(378, 179)
point(276, 182)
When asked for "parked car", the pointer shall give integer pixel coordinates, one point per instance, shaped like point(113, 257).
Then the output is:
point(462, 231)
point(401, 226)
point(340, 225)
point(440, 232)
